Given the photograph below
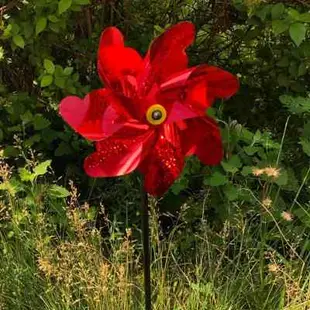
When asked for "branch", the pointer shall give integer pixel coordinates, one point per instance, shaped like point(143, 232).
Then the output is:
point(88, 22)
point(9, 6)
point(303, 3)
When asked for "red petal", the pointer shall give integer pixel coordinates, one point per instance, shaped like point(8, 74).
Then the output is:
point(201, 137)
point(111, 36)
point(95, 117)
point(166, 55)
point(198, 87)
point(115, 61)
point(164, 164)
point(218, 82)
point(121, 153)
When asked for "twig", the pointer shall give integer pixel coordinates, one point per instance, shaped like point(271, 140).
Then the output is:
point(303, 3)
point(8, 6)
point(88, 22)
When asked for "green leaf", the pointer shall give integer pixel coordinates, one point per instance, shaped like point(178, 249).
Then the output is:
point(264, 12)
point(283, 62)
point(19, 41)
point(63, 149)
point(75, 77)
point(58, 191)
point(252, 34)
point(279, 26)
point(60, 82)
point(211, 112)
point(14, 29)
point(68, 71)
point(11, 151)
point(247, 170)
point(71, 90)
point(292, 182)
point(32, 140)
point(49, 66)
point(179, 185)
point(216, 179)
point(293, 69)
point(12, 186)
point(303, 215)
point(64, 5)
point(81, 2)
point(1, 58)
point(246, 135)
point(305, 48)
point(302, 69)
point(251, 150)
point(26, 117)
point(54, 27)
point(282, 179)
point(296, 105)
point(306, 130)
point(1, 135)
point(7, 32)
point(41, 25)
point(294, 14)
point(231, 192)
point(46, 80)
point(48, 135)
point(297, 33)
point(232, 165)
point(10, 234)
point(27, 29)
point(53, 18)
point(41, 169)
point(40, 122)
point(305, 143)
point(59, 71)
point(76, 8)
point(91, 213)
point(305, 17)
point(277, 11)
point(16, 128)
point(25, 175)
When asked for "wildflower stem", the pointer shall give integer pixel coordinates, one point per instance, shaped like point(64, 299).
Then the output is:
point(146, 248)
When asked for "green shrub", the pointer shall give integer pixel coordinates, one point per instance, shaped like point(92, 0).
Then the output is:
point(48, 50)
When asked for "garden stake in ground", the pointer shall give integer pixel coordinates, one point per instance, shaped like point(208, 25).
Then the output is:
point(146, 249)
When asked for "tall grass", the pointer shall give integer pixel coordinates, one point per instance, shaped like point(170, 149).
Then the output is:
point(70, 264)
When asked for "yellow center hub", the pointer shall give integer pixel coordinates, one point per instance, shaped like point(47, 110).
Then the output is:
point(156, 114)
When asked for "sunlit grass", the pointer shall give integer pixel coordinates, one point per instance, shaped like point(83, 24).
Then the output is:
point(47, 266)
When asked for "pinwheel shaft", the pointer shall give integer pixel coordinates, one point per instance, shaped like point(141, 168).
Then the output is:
point(146, 249)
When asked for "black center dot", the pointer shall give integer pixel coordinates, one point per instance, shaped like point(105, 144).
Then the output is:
point(157, 115)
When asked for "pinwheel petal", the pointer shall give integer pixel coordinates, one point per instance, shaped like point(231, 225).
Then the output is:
point(166, 55)
point(111, 36)
point(95, 117)
point(201, 136)
point(198, 87)
point(115, 61)
point(164, 164)
point(121, 153)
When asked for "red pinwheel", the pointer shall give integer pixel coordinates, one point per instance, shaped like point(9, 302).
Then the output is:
point(152, 112)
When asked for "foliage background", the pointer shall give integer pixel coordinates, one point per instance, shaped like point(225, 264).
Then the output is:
point(48, 50)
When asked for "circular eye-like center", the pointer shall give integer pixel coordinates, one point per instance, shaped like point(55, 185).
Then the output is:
point(156, 114)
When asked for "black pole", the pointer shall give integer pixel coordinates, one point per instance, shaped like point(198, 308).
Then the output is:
point(146, 248)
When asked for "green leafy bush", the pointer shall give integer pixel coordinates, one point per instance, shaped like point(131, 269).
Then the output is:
point(48, 50)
